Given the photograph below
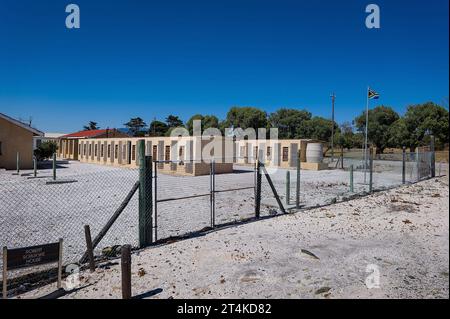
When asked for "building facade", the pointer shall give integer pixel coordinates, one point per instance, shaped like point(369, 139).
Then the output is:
point(176, 155)
point(16, 143)
point(68, 144)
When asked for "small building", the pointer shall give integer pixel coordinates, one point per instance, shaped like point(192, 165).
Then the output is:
point(47, 137)
point(68, 145)
point(276, 153)
point(16, 140)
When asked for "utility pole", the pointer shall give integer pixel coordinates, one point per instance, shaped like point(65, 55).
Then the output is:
point(333, 98)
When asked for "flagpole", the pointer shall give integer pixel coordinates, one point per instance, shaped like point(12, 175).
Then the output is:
point(365, 140)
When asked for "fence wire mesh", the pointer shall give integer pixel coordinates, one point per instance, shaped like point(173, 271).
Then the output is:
point(39, 210)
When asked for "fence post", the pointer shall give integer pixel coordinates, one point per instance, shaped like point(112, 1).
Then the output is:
point(54, 166)
point(126, 271)
point(288, 187)
point(351, 178)
point(258, 189)
point(89, 247)
point(145, 197)
point(418, 164)
point(432, 156)
point(342, 157)
point(297, 189)
point(35, 166)
point(371, 170)
point(404, 165)
point(18, 163)
point(156, 198)
point(212, 191)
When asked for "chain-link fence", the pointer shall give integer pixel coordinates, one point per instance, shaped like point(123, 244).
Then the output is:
point(38, 210)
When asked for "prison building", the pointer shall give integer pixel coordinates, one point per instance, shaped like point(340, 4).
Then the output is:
point(16, 138)
point(276, 153)
point(68, 145)
point(189, 156)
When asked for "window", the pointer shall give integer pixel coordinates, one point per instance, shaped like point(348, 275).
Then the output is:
point(269, 151)
point(84, 149)
point(102, 150)
point(242, 151)
point(155, 151)
point(124, 152)
point(90, 149)
point(95, 149)
point(255, 152)
point(133, 152)
point(116, 151)
point(167, 155)
point(181, 151)
point(109, 151)
point(285, 154)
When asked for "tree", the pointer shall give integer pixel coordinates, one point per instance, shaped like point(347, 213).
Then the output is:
point(317, 128)
point(173, 121)
point(91, 126)
point(207, 121)
point(345, 138)
point(246, 117)
point(424, 119)
point(136, 125)
point(158, 128)
point(45, 150)
point(380, 120)
point(288, 121)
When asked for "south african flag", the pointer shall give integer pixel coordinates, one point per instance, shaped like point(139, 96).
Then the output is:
point(373, 95)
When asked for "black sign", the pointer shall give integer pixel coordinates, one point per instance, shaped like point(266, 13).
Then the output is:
point(32, 256)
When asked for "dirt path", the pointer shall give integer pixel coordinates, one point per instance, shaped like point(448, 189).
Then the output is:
point(323, 253)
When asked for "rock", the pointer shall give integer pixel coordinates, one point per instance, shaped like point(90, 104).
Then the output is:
point(309, 253)
point(322, 290)
point(141, 272)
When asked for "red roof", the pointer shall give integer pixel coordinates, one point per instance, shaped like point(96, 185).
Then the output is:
point(85, 134)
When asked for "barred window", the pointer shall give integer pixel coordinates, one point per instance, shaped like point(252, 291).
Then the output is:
point(133, 152)
point(167, 155)
point(285, 154)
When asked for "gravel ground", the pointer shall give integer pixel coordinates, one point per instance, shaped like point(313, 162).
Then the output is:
point(33, 212)
point(325, 252)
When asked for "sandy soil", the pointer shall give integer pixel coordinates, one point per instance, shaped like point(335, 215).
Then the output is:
point(319, 253)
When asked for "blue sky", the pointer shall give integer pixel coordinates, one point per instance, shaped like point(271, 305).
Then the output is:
point(154, 58)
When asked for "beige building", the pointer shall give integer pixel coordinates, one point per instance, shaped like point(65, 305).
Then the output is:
point(176, 155)
point(191, 155)
point(68, 144)
point(16, 138)
point(276, 153)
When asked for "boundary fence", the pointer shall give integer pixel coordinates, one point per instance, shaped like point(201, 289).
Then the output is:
point(170, 207)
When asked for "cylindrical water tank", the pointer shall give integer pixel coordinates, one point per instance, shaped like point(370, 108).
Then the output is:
point(314, 153)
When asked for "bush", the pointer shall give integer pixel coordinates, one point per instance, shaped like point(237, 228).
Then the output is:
point(45, 150)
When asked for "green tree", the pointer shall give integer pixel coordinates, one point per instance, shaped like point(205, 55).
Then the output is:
point(173, 121)
point(45, 150)
point(317, 128)
point(421, 120)
point(246, 117)
point(136, 125)
point(158, 128)
point(91, 126)
point(288, 121)
point(380, 120)
point(345, 137)
point(208, 121)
